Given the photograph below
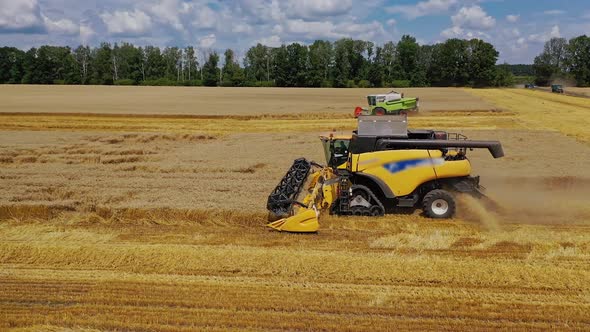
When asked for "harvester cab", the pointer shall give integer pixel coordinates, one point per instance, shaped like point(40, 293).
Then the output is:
point(336, 149)
point(381, 167)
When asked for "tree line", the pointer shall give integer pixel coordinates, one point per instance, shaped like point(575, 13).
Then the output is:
point(342, 63)
point(564, 61)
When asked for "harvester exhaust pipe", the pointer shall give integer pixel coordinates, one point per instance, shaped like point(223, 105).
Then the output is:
point(494, 147)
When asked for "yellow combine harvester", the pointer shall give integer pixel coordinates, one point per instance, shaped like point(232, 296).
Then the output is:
point(380, 168)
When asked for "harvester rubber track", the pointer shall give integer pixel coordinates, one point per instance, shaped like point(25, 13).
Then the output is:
point(280, 201)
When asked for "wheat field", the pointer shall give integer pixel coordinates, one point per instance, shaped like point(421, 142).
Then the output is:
point(143, 209)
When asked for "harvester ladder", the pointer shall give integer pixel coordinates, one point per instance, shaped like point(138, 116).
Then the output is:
point(344, 195)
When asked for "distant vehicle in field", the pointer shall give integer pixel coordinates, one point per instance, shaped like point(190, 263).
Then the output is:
point(529, 86)
point(392, 103)
point(557, 88)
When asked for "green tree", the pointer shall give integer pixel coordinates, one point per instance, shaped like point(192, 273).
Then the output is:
point(155, 66)
point(232, 73)
point(171, 57)
point(551, 62)
point(83, 56)
point(450, 63)
point(424, 61)
point(342, 65)
point(578, 59)
point(377, 71)
point(258, 63)
point(297, 65)
point(11, 65)
point(129, 60)
point(320, 60)
point(482, 63)
point(103, 68)
point(210, 70)
point(191, 63)
point(388, 56)
point(358, 61)
point(407, 56)
point(503, 75)
point(280, 68)
point(49, 65)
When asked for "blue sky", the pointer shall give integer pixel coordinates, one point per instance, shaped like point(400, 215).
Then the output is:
point(518, 28)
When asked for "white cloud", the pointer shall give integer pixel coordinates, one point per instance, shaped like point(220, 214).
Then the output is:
point(452, 32)
point(473, 17)
point(423, 8)
point(543, 37)
point(512, 18)
point(328, 30)
point(272, 41)
point(168, 12)
point(311, 30)
point(205, 18)
point(365, 31)
point(127, 23)
point(260, 11)
point(242, 28)
point(554, 12)
point(317, 8)
point(515, 32)
point(207, 41)
point(277, 29)
point(185, 8)
point(391, 22)
point(86, 33)
point(61, 26)
point(20, 15)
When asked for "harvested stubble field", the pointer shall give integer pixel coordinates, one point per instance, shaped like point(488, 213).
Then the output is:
point(154, 221)
point(582, 92)
point(570, 91)
point(219, 102)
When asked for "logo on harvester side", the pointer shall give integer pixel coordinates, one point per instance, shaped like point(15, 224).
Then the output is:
point(403, 165)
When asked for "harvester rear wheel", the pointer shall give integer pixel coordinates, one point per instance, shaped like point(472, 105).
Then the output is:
point(438, 204)
point(379, 111)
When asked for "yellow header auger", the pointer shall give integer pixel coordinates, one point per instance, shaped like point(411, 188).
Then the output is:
point(382, 166)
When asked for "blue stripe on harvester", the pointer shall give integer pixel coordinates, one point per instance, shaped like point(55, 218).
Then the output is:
point(403, 165)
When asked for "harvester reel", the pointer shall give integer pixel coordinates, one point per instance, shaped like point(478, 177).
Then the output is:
point(281, 200)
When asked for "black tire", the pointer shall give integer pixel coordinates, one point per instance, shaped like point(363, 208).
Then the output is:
point(439, 204)
point(357, 211)
point(377, 211)
point(379, 111)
